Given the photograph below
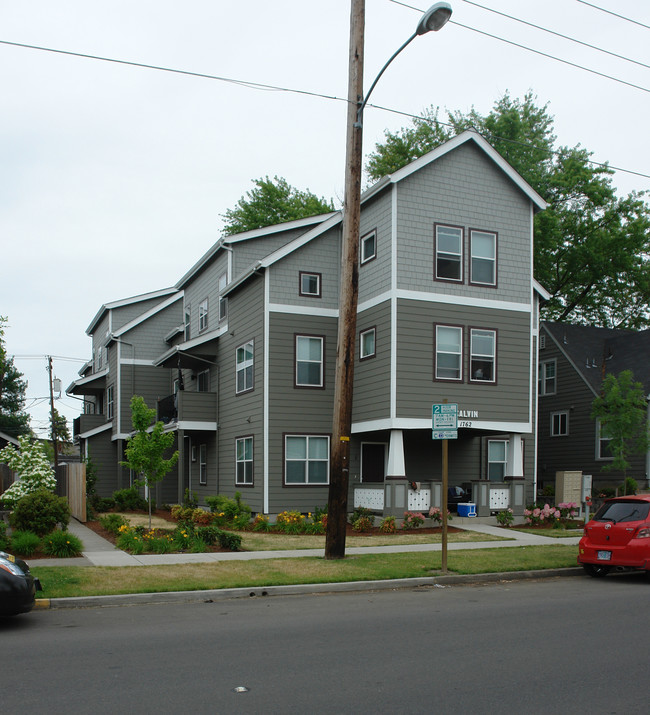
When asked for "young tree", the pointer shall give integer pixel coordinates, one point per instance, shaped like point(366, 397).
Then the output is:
point(591, 247)
point(145, 449)
point(622, 411)
point(272, 201)
point(14, 421)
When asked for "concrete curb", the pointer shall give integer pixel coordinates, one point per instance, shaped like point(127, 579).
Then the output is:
point(212, 595)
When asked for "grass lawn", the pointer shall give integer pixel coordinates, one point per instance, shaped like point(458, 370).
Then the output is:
point(66, 581)
point(552, 533)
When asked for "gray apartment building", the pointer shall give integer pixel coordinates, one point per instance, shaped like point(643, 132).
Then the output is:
point(239, 355)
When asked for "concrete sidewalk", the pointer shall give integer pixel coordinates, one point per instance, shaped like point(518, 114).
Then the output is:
point(99, 552)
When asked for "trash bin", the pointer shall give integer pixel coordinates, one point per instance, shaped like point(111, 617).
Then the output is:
point(467, 509)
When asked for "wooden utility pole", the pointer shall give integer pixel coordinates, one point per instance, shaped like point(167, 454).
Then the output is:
point(348, 296)
point(52, 417)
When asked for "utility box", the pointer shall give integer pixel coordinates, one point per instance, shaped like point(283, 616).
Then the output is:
point(568, 487)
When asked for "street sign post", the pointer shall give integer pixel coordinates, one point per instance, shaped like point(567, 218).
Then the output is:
point(444, 426)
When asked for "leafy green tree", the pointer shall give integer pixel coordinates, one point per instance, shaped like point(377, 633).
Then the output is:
point(146, 448)
point(32, 466)
point(622, 411)
point(591, 246)
point(272, 201)
point(14, 421)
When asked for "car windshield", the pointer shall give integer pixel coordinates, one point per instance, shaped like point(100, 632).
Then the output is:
point(617, 511)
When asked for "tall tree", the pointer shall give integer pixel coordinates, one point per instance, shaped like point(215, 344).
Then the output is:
point(621, 409)
point(146, 448)
point(14, 421)
point(272, 201)
point(591, 246)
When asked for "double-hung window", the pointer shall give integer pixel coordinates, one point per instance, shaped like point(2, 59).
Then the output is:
point(203, 315)
point(203, 381)
point(559, 424)
point(449, 253)
point(187, 321)
point(497, 451)
point(603, 442)
point(310, 284)
point(223, 301)
point(306, 459)
point(309, 361)
point(482, 355)
point(483, 263)
point(449, 353)
point(244, 461)
point(244, 367)
point(547, 381)
point(367, 344)
point(368, 247)
point(110, 402)
point(203, 464)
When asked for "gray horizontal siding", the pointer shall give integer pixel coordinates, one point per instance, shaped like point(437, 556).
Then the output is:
point(372, 375)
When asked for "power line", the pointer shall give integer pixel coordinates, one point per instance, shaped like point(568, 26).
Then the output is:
point(615, 14)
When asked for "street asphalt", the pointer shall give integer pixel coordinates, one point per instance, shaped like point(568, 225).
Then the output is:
point(100, 552)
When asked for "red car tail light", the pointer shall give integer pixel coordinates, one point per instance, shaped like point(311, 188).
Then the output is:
point(643, 533)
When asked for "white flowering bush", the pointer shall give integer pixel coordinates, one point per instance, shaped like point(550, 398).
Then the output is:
point(33, 468)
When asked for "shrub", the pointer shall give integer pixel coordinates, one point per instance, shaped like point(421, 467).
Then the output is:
point(62, 544)
point(538, 517)
point(209, 534)
point(201, 517)
point(363, 524)
point(113, 522)
point(548, 490)
point(290, 522)
point(40, 512)
point(505, 517)
point(129, 540)
point(412, 520)
point(4, 539)
point(181, 513)
point(228, 508)
point(103, 504)
point(435, 513)
point(129, 500)
point(317, 524)
point(359, 512)
point(229, 541)
point(629, 486)
point(24, 543)
point(261, 523)
point(387, 525)
point(160, 544)
point(241, 521)
point(191, 499)
point(607, 492)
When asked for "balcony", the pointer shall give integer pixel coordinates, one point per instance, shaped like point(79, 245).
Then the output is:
point(85, 423)
point(188, 407)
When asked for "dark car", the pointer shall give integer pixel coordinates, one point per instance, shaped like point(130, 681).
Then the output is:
point(618, 536)
point(17, 586)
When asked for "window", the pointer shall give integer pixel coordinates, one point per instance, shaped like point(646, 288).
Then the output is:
point(483, 258)
point(306, 460)
point(223, 302)
point(367, 344)
point(603, 448)
point(547, 381)
point(188, 316)
point(309, 361)
point(203, 381)
point(497, 460)
point(244, 461)
point(310, 284)
point(559, 424)
point(203, 464)
point(448, 353)
point(203, 315)
point(110, 403)
point(368, 249)
point(482, 355)
point(244, 367)
point(449, 253)
point(99, 359)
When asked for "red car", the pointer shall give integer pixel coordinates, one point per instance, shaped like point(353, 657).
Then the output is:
point(618, 536)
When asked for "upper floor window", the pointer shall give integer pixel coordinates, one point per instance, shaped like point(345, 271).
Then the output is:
point(449, 353)
point(223, 301)
point(368, 247)
point(449, 253)
point(306, 459)
point(203, 315)
point(187, 321)
point(244, 367)
point(110, 402)
point(483, 263)
point(559, 424)
point(482, 355)
point(547, 381)
point(497, 459)
point(310, 284)
point(309, 361)
point(603, 448)
point(244, 461)
point(367, 343)
point(203, 381)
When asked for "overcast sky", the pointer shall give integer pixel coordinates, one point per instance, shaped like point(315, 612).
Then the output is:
point(113, 178)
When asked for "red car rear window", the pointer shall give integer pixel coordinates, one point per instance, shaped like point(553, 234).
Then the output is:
point(627, 510)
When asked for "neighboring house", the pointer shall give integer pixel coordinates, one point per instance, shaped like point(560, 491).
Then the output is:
point(448, 310)
point(126, 337)
point(6, 474)
point(573, 361)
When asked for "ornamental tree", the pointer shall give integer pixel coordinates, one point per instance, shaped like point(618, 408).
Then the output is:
point(32, 465)
point(146, 448)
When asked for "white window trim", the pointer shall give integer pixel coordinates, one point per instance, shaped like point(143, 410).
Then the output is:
point(321, 362)
point(542, 379)
point(365, 355)
point(362, 243)
point(110, 402)
point(242, 367)
point(203, 315)
point(559, 414)
point(599, 440)
point(484, 358)
point(438, 253)
point(495, 461)
point(310, 294)
point(441, 352)
point(203, 464)
point(306, 460)
point(244, 461)
point(472, 280)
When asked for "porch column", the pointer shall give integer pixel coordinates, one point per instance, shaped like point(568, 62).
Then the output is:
point(515, 457)
point(180, 465)
point(395, 485)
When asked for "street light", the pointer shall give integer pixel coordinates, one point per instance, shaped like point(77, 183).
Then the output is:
point(432, 20)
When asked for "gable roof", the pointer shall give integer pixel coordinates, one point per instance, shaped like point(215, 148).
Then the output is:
point(127, 301)
point(596, 352)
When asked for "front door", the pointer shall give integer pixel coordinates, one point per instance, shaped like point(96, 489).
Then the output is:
point(373, 462)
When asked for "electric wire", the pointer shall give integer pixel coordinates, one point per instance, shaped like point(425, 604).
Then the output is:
point(615, 14)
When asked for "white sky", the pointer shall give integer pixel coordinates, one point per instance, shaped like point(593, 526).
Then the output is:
point(113, 178)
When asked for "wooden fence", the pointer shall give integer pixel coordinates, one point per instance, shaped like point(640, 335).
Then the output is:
point(71, 483)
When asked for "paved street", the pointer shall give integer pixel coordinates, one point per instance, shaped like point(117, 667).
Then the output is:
point(566, 645)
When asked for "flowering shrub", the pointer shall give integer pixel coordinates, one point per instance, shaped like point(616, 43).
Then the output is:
point(33, 469)
point(412, 520)
point(316, 523)
point(201, 517)
point(261, 523)
point(568, 510)
point(435, 513)
point(62, 545)
point(363, 524)
point(546, 515)
point(290, 522)
point(505, 517)
point(387, 525)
